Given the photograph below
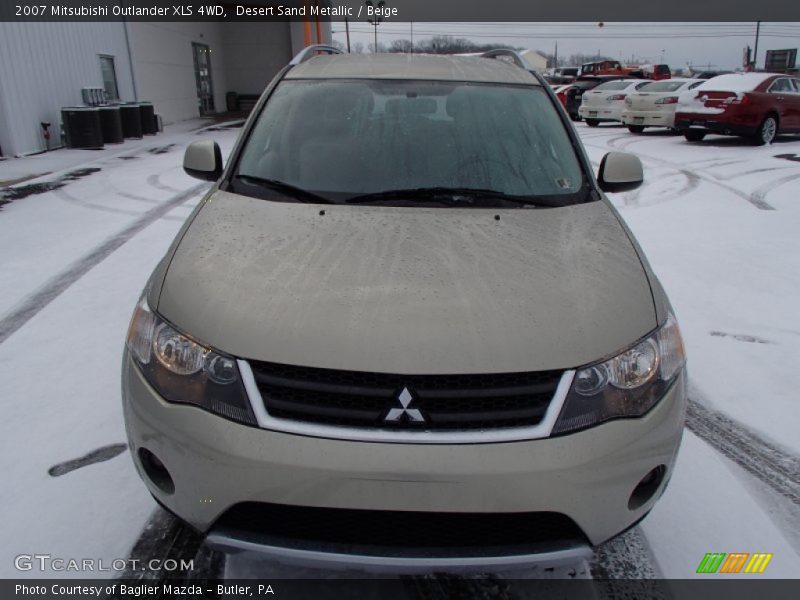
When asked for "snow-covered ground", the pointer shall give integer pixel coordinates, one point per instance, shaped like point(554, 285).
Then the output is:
point(718, 221)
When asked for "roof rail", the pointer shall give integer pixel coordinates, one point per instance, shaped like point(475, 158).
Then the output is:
point(515, 57)
point(310, 51)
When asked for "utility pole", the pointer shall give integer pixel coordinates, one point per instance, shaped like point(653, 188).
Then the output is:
point(555, 57)
point(755, 51)
point(376, 20)
point(412, 37)
point(347, 33)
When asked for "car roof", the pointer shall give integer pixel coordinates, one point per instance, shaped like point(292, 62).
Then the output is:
point(434, 67)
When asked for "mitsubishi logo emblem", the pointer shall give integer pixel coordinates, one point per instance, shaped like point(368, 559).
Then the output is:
point(412, 414)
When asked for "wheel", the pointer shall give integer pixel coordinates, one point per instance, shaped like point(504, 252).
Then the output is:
point(575, 117)
point(592, 122)
point(693, 135)
point(636, 128)
point(766, 132)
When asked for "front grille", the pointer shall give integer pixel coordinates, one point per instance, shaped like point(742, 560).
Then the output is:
point(395, 533)
point(445, 402)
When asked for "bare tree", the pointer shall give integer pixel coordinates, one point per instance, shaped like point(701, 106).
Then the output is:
point(401, 46)
point(444, 44)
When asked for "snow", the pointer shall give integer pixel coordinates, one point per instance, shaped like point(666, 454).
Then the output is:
point(689, 102)
point(729, 268)
point(735, 82)
point(730, 265)
point(701, 512)
point(61, 371)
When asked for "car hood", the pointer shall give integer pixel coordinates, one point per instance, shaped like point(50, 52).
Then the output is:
point(408, 290)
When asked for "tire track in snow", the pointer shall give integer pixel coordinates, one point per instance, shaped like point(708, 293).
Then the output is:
point(756, 201)
point(58, 284)
point(761, 192)
point(773, 466)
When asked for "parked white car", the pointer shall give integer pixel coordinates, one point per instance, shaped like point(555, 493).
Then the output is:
point(607, 101)
point(654, 106)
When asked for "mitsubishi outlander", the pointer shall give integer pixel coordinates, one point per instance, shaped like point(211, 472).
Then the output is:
point(405, 330)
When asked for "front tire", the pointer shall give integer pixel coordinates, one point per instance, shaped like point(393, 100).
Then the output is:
point(636, 128)
point(694, 136)
point(766, 132)
point(592, 122)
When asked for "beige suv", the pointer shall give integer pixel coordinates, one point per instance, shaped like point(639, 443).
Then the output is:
point(405, 330)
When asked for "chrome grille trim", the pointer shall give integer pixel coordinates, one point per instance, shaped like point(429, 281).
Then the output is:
point(362, 434)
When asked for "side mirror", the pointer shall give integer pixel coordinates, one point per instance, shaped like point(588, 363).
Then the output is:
point(203, 160)
point(620, 172)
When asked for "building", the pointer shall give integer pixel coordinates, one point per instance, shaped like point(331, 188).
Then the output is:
point(184, 68)
point(537, 62)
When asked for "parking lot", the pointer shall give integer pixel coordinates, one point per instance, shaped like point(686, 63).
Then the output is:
point(718, 220)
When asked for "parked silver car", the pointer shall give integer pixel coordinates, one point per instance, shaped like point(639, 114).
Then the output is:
point(405, 329)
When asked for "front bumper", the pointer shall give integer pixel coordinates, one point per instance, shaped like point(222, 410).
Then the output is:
point(217, 464)
point(648, 118)
point(600, 113)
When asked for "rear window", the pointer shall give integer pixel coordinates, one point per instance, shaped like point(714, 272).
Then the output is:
point(612, 85)
point(664, 86)
point(661, 70)
point(345, 138)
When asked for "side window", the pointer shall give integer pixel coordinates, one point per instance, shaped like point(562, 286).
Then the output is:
point(109, 76)
point(694, 85)
point(780, 85)
point(796, 83)
point(641, 85)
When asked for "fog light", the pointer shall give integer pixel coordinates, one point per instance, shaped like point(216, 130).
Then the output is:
point(647, 487)
point(156, 471)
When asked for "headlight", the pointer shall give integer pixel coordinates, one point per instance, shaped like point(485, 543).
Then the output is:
point(184, 371)
point(628, 385)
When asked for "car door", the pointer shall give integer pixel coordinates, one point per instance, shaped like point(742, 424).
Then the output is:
point(781, 93)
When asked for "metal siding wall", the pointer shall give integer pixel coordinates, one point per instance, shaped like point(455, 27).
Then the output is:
point(43, 66)
point(164, 64)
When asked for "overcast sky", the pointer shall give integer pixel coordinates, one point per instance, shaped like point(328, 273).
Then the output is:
point(717, 44)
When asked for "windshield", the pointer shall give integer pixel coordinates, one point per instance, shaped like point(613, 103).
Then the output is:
point(343, 140)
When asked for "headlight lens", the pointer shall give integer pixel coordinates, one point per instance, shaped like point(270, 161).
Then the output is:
point(628, 385)
point(184, 371)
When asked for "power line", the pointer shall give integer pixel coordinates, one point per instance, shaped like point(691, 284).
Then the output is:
point(570, 35)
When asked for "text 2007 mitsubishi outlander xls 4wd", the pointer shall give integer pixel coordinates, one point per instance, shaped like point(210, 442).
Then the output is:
point(405, 329)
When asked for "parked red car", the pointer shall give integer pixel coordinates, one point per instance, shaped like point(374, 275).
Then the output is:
point(561, 93)
point(757, 106)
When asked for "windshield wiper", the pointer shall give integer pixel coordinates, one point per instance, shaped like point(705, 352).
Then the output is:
point(475, 197)
point(284, 188)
